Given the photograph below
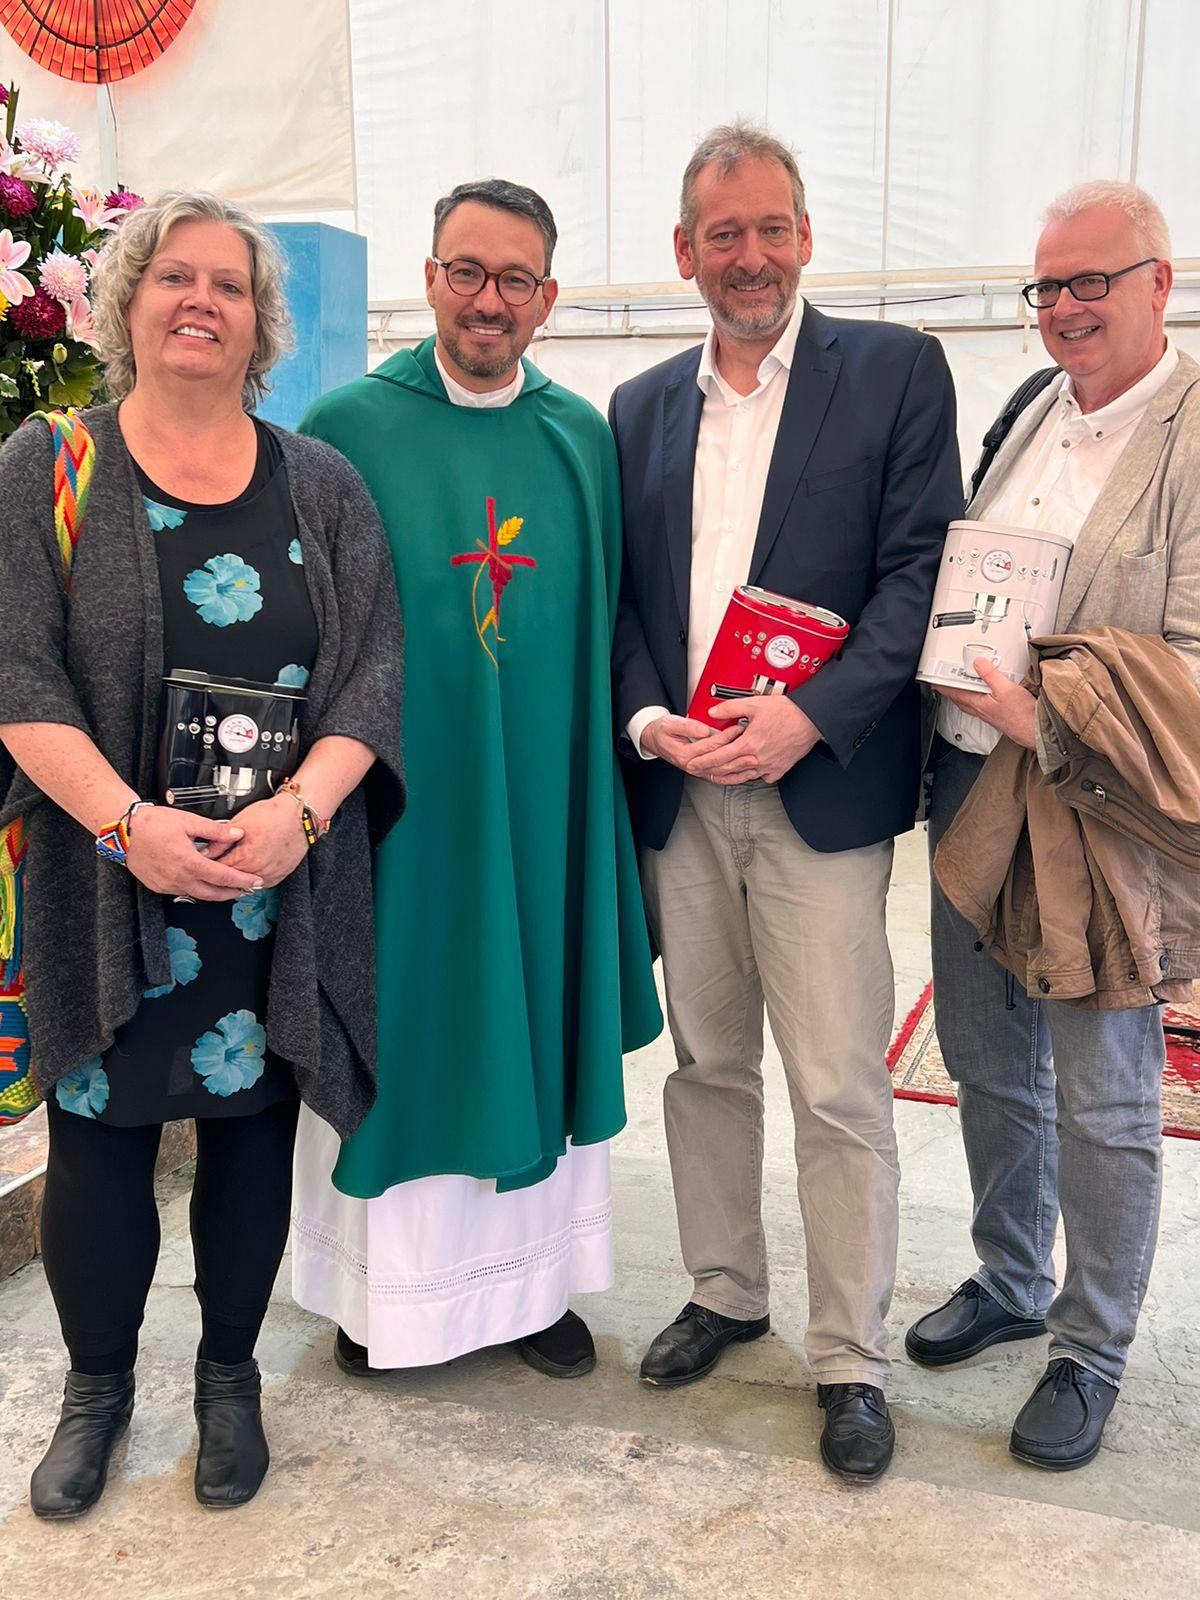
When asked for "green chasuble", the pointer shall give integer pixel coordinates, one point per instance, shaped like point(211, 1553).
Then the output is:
point(511, 939)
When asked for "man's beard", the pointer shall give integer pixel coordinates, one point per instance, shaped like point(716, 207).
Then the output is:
point(749, 322)
point(492, 366)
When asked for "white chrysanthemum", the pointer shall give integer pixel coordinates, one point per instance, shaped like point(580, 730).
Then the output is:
point(64, 277)
point(51, 142)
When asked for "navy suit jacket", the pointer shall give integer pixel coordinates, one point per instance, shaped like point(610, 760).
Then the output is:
point(864, 480)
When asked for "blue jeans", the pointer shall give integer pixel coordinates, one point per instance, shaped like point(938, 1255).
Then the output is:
point(1059, 1107)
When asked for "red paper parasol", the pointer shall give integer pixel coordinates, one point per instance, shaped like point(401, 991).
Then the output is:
point(94, 41)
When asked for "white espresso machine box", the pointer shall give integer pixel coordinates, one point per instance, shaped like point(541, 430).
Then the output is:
point(997, 588)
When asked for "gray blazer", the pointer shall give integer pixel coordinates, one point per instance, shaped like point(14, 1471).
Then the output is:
point(1136, 561)
point(94, 937)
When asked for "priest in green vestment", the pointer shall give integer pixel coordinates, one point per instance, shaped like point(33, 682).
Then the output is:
point(511, 943)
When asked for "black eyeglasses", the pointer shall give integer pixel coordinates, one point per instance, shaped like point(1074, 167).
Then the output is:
point(1044, 292)
point(514, 285)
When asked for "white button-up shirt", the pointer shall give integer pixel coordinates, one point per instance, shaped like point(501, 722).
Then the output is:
point(1053, 485)
point(733, 456)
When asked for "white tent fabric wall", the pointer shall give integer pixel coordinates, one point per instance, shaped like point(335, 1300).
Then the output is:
point(253, 101)
point(929, 134)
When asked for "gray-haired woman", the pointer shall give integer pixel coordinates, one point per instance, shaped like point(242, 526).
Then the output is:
point(215, 969)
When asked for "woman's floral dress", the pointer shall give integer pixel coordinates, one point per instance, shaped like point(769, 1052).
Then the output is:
point(234, 603)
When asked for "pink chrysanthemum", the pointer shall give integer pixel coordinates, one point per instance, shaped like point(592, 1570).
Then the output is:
point(17, 199)
point(123, 200)
point(64, 277)
point(51, 142)
point(3, 95)
point(38, 317)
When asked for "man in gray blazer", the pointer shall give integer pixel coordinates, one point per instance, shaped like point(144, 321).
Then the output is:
point(1108, 455)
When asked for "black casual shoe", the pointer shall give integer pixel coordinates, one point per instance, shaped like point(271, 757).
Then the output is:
point(565, 1349)
point(858, 1437)
point(233, 1457)
point(353, 1359)
point(692, 1345)
point(969, 1322)
point(1061, 1424)
point(70, 1477)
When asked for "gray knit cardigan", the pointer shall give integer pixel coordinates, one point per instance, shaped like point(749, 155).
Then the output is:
point(94, 937)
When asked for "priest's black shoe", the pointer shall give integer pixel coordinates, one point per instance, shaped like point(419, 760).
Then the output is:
point(233, 1457)
point(70, 1477)
point(1061, 1424)
point(969, 1322)
point(353, 1358)
point(693, 1344)
point(858, 1437)
point(565, 1349)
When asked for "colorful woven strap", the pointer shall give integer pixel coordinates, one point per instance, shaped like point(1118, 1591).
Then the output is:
point(74, 462)
point(12, 857)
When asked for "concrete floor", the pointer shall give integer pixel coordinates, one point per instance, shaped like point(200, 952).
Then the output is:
point(483, 1479)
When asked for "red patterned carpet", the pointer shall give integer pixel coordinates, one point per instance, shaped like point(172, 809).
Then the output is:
point(916, 1065)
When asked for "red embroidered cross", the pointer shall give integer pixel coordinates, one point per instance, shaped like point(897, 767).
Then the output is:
point(499, 566)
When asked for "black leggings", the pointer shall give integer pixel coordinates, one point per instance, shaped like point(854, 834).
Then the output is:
point(100, 1231)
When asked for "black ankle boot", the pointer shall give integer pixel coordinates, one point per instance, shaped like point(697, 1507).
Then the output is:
point(70, 1477)
point(233, 1456)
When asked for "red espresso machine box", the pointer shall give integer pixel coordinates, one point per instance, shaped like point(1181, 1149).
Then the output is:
point(766, 644)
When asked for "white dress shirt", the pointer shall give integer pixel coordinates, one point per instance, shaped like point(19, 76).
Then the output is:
point(733, 456)
point(458, 396)
point(1053, 485)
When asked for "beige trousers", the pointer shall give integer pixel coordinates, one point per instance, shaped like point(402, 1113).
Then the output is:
point(744, 911)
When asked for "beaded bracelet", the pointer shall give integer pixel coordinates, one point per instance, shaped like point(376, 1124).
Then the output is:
point(315, 826)
point(112, 842)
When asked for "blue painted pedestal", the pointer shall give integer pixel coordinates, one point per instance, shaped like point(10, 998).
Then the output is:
point(327, 293)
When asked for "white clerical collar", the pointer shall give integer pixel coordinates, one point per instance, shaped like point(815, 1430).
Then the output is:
point(1127, 407)
point(458, 396)
point(780, 356)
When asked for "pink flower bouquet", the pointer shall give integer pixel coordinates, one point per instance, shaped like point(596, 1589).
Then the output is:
point(50, 231)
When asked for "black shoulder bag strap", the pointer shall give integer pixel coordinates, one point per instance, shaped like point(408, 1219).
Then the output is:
point(1002, 427)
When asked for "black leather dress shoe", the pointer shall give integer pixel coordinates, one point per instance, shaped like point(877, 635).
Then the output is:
point(1061, 1424)
point(969, 1322)
point(233, 1457)
point(70, 1477)
point(858, 1437)
point(692, 1345)
point(565, 1349)
point(353, 1359)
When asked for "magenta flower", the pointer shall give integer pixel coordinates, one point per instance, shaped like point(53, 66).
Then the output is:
point(3, 95)
point(63, 276)
point(38, 317)
point(16, 198)
point(14, 253)
point(51, 142)
point(123, 200)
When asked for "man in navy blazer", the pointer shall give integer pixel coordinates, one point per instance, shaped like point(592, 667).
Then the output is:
point(814, 457)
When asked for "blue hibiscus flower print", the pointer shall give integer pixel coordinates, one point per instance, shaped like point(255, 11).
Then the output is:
point(84, 1091)
point(162, 516)
point(295, 553)
point(256, 913)
point(293, 677)
point(231, 1058)
point(185, 962)
point(224, 590)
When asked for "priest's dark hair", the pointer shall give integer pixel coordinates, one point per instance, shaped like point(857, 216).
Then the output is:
point(502, 196)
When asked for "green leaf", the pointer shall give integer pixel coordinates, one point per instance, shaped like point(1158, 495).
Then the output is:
point(74, 389)
point(9, 388)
